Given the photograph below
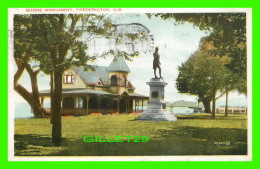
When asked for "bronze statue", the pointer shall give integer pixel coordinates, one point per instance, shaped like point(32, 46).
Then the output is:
point(156, 62)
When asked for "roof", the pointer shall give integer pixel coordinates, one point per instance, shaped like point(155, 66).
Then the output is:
point(101, 72)
point(118, 65)
point(92, 77)
point(137, 95)
point(72, 91)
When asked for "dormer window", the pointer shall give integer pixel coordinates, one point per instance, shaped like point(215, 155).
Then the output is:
point(68, 79)
point(100, 82)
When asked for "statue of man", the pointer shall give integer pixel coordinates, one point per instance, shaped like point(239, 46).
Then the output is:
point(156, 62)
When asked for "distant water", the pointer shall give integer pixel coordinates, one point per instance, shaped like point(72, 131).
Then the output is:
point(22, 110)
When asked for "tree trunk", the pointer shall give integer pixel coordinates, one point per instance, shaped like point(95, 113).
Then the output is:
point(226, 107)
point(32, 98)
point(206, 103)
point(38, 110)
point(58, 55)
point(214, 105)
point(51, 94)
point(56, 108)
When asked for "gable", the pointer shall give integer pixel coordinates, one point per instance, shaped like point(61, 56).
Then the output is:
point(77, 82)
point(124, 94)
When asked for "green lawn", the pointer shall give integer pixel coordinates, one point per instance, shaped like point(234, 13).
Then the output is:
point(195, 134)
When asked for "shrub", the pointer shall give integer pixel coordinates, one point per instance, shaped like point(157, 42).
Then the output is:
point(95, 114)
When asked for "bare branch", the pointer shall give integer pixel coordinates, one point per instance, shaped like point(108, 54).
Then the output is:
point(224, 92)
point(73, 23)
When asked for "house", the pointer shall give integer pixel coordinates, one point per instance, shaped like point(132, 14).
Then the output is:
point(185, 107)
point(105, 90)
point(232, 110)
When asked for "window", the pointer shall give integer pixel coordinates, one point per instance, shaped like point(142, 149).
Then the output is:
point(123, 81)
point(113, 80)
point(68, 79)
point(80, 102)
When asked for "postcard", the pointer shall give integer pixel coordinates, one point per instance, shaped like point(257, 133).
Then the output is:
point(130, 84)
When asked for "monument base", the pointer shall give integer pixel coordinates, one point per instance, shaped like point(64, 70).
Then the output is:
point(157, 115)
point(156, 109)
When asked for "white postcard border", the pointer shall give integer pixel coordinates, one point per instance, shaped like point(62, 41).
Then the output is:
point(13, 11)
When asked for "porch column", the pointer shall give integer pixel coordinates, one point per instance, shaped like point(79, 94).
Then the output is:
point(135, 105)
point(126, 107)
point(76, 102)
point(61, 105)
point(62, 108)
point(98, 103)
point(118, 105)
point(42, 101)
point(87, 100)
point(142, 105)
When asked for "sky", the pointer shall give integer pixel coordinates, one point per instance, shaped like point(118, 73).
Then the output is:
point(176, 43)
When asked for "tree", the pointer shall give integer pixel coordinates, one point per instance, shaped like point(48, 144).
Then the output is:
point(202, 75)
point(60, 43)
point(229, 83)
point(228, 34)
point(24, 53)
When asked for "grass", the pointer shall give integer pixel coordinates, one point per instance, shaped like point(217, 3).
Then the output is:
point(195, 134)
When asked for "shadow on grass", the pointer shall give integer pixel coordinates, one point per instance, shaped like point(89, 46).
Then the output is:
point(174, 141)
point(208, 117)
point(35, 145)
point(208, 141)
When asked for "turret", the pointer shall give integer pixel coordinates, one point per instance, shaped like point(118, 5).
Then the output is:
point(118, 75)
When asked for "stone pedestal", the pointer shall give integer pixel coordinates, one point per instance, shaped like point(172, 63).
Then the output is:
point(156, 109)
